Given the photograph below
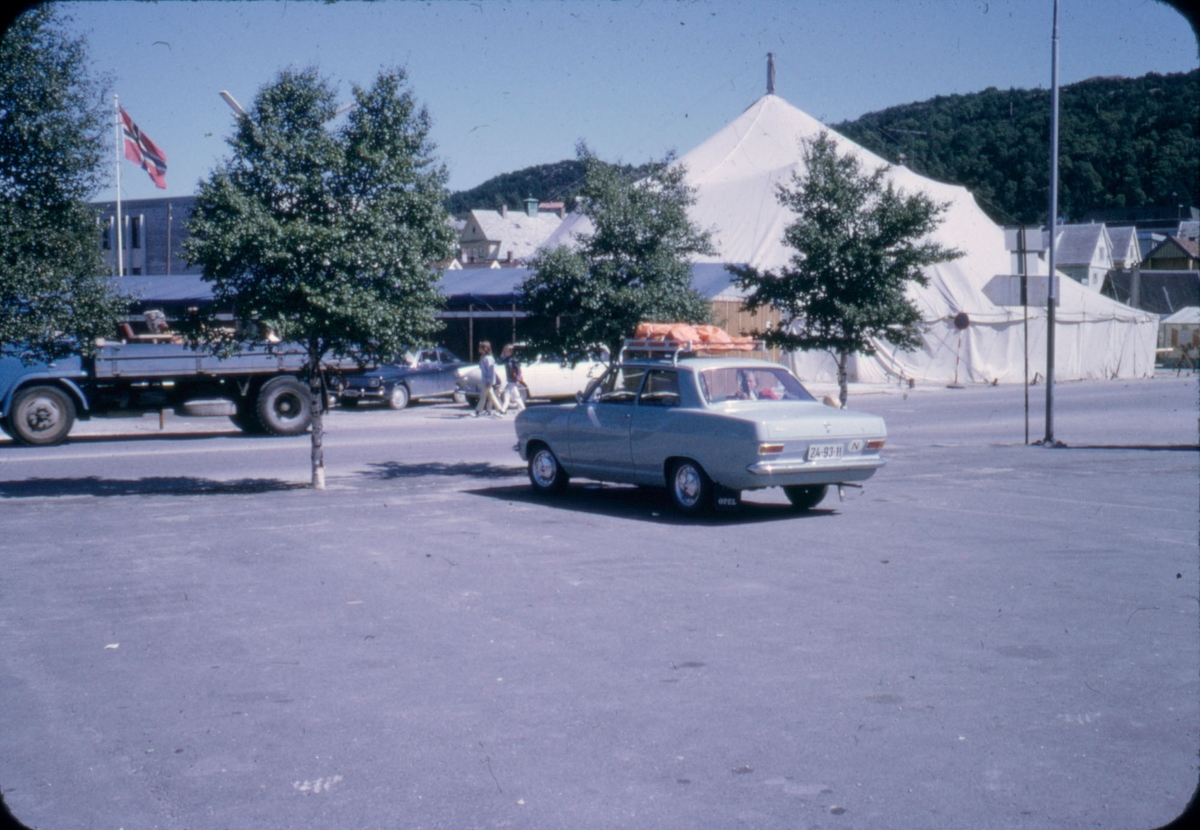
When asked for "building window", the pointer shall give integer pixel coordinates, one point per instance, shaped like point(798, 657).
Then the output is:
point(135, 231)
point(106, 234)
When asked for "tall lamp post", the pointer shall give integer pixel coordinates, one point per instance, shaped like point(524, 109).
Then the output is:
point(1052, 285)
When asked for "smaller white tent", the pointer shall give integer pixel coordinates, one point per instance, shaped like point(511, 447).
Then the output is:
point(736, 174)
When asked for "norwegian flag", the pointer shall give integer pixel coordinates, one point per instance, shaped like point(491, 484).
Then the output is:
point(142, 151)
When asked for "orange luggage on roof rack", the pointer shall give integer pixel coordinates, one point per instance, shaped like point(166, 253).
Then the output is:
point(677, 338)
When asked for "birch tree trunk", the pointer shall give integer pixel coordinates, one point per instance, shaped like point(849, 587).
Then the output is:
point(316, 394)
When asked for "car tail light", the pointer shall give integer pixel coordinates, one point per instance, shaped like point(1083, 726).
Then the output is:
point(875, 443)
point(770, 449)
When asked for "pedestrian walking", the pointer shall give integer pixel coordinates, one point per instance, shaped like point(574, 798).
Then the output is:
point(489, 403)
point(512, 367)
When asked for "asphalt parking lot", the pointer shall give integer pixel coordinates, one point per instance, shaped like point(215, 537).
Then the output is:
point(988, 635)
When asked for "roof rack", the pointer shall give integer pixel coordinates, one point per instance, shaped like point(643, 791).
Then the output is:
point(655, 349)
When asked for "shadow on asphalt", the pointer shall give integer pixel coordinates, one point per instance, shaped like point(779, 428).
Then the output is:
point(1152, 447)
point(646, 504)
point(143, 436)
point(394, 469)
point(150, 486)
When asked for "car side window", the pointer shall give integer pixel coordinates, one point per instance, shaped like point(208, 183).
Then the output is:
point(660, 389)
point(620, 386)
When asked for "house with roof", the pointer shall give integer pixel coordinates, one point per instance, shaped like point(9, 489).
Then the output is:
point(1084, 253)
point(1173, 254)
point(1125, 250)
point(506, 238)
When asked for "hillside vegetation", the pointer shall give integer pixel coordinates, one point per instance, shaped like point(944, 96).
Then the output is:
point(1123, 142)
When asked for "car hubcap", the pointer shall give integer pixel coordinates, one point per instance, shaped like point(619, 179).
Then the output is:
point(544, 468)
point(687, 484)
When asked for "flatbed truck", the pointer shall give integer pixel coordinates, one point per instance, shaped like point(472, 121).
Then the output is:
point(259, 389)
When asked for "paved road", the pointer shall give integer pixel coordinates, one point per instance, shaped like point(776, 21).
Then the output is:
point(989, 635)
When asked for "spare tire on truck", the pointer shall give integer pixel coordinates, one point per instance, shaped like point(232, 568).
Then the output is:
point(41, 416)
point(284, 406)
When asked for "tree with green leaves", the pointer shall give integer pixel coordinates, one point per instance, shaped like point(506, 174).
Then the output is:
point(857, 243)
point(634, 265)
point(53, 131)
point(326, 236)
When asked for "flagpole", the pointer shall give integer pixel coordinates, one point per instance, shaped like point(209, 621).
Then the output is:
point(117, 124)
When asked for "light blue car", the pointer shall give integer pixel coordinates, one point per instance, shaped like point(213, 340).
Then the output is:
point(706, 428)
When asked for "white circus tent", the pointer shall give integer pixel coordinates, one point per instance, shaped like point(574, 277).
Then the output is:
point(736, 174)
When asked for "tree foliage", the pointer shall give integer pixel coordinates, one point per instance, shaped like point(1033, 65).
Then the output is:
point(858, 243)
point(635, 264)
point(52, 138)
point(327, 236)
point(1123, 142)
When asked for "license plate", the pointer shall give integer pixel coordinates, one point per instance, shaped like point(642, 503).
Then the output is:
point(824, 452)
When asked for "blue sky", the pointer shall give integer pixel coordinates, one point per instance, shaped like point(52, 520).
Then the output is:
point(513, 84)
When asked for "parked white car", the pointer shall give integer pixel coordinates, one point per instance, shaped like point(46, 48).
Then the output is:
point(543, 378)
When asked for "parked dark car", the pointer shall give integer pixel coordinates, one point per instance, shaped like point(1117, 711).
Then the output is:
point(424, 373)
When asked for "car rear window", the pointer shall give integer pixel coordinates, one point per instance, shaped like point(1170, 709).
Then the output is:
point(742, 383)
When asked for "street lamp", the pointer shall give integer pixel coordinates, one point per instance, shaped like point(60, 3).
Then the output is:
point(233, 104)
point(237, 108)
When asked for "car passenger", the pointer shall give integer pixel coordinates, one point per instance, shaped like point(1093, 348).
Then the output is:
point(747, 386)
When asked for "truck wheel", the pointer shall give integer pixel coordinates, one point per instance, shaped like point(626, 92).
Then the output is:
point(806, 498)
point(41, 416)
point(283, 406)
point(690, 488)
point(398, 399)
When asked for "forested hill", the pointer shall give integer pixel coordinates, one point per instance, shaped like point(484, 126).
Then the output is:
point(545, 182)
point(1123, 142)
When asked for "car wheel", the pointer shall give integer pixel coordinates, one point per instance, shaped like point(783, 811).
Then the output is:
point(690, 488)
point(545, 473)
point(284, 406)
point(398, 399)
point(806, 497)
point(41, 416)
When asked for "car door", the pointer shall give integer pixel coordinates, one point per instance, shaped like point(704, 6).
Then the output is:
point(422, 378)
point(599, 427)
point(446, 376)
point(652, 431)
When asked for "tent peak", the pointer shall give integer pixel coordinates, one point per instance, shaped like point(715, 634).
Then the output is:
point(770, 73)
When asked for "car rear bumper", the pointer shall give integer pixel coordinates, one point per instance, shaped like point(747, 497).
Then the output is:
point(781, 473)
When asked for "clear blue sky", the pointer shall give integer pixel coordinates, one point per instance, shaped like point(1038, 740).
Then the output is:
point(514, 84)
